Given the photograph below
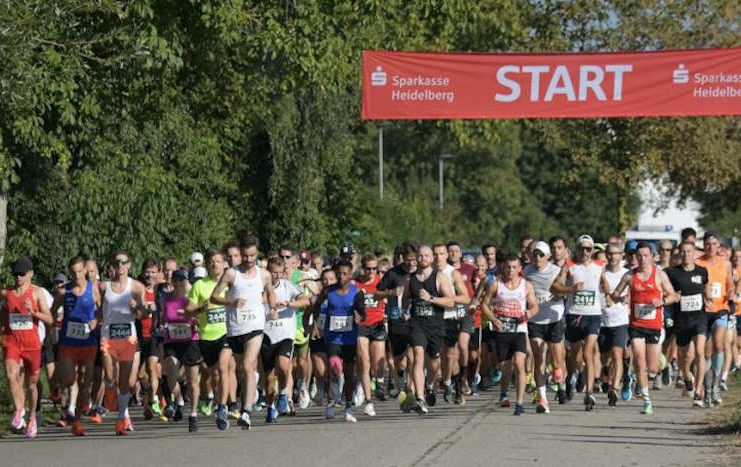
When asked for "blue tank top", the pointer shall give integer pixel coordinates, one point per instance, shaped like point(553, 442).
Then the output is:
point(78, 311)
point(340, 327)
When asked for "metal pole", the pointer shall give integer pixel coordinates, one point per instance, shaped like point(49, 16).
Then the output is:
point(380, 162)
point(440, 160)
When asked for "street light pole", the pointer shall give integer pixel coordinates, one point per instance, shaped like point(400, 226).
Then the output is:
point(380, 162)
point(440, 176)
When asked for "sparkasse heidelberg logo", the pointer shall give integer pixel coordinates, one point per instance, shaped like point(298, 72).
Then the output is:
point(378, 77)
point(681, 75)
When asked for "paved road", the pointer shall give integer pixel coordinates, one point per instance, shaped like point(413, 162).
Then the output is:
point(476, 434)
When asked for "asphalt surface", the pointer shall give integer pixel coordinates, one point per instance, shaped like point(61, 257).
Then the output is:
point(479, 433)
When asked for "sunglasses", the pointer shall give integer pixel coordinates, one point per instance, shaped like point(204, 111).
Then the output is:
point(286, 256)
point(370, 269)
point(20, 274)
point(668, 250)
point(538, 254)
point(585, 248)
point(121, 262)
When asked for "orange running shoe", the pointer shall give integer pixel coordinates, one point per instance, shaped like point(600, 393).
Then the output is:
point(110, 400)
point(127, 423)
point(121, 428)
point(96, 418)
point(78, 429)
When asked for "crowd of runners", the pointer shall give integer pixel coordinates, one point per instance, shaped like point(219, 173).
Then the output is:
point(238, 332)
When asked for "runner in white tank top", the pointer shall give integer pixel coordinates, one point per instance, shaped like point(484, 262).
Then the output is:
point(118, 336)
point(509, 303)
point(245, 322)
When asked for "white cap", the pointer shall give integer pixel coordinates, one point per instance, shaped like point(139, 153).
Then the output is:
point(196, 256)
point(585, 239)
point(199, 272)
point(542, 247)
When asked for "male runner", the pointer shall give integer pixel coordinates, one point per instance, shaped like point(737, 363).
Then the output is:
point(212, 327)
point(150, 343)
point(21, 308)
point(509, 303)
point(650, 291)
point(78, 342)
point(546, 329)
point(430, 292)
point(585, 281)
point(123, 302)
point(467, 272)
point(280, 331)
point(371, 333)
point(690, 321)
point(721, 287)
point(245, 322)
point(345, 309)
point(453, 327)
point(613, 336)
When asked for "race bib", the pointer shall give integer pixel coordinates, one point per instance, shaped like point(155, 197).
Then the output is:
point(690, 302)
point(370, 301)
point(274, 324)
point(584, 298)
point(450, 313)
point(460, 311)
point(716, 289)
point(340, 323)
point(216, 315)
point(119, 330)
point(645, 311)
point(20, 322)
point(77, 330)
point(543, 296)
point(424, 309)
point(246, 314)
point(179, 331)
point(509, 325)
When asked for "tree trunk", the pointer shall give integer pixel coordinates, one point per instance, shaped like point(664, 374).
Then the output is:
point(3, 224)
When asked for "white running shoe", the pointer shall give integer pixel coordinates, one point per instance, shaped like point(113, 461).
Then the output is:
point(304, 398)
point(349, 417)
point(369, 410)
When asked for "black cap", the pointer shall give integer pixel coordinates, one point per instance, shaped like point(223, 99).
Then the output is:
point(21, 266)
point(179, 274)
point(346, 251)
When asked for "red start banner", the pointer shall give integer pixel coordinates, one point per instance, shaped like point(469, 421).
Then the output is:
point(410, 85)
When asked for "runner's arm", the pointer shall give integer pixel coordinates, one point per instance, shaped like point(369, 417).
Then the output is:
point(98, 308)
point(141, 309)
point(268, 287)
point(226, 281)
point(43, 314)
point(709, 305)
point(624, 282)
point(491, 289)
point(670, 295)
point(559, 286)
point(313, 309)
point(359, 306)
point(446, 290)
point(460, 289)
point(532, 302)
point(730, 285)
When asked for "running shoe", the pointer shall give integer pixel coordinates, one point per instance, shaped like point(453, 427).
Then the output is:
point(234, 411)
point(192, 424)
point(369, 409)
point(178, 413)
point(349, 417)
point(329, 412)
point(420, 406)
point(380, 392)
point(542, 406)
point(503, 400)
point(612, 398)
point(282, 405)
point(589, 402)
point(358, 396)
point(648, 408)
point(304, 399)
point(62, 422)
point(121, 428)
point(244, 420)
point(205, 406)
point(717, 399)
point(18, 423)
point(561, 396)
point(697, 401)
point(98, 413)
point(31, 429)
point(147, 412)
point(156, 408)
point(430, 397)
point(519, 409)
point(723, 385)
point(407, 401)
point(569, 389)
point(78, 429)
point(627, 393)
point(666, 375)
point(447, 392)
point(272, 415)
point(496, 376)
point(169, 411)
point(222, 421)
point(127, 423)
